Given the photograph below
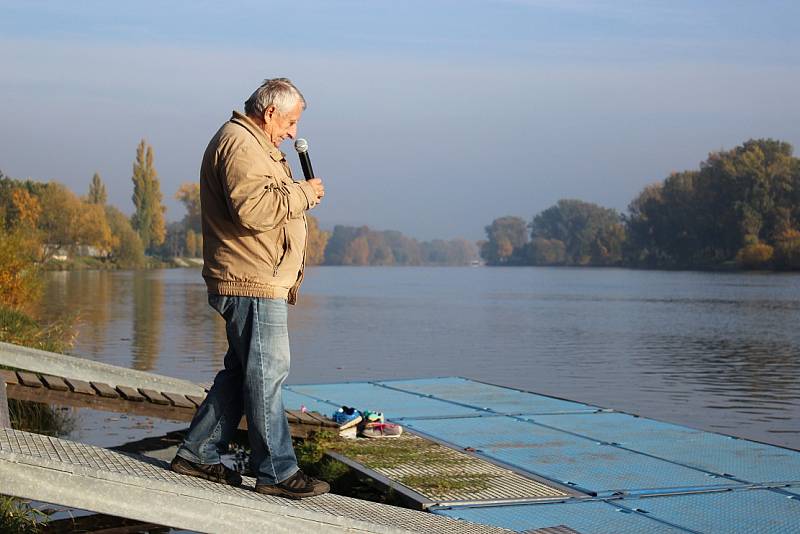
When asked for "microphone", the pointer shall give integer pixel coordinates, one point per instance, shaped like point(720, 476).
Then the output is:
point(301, 145)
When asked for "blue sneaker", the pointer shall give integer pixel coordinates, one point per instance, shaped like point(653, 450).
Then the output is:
point(346, 417)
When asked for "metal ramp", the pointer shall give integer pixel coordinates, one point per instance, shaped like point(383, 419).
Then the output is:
point(91, 478)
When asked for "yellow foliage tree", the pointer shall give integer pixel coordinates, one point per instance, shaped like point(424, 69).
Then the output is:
point(70, 222)
point(189, 194)
point(317, 241)
point(755, 255)
point(191, 243)
point(27, 207)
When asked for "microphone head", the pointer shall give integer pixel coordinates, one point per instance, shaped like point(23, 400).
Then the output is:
point(301, 145)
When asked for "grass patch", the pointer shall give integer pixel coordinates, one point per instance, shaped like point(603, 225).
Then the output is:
point(438, 485)
point(20, 329)
point(17, 517)
point(394, 452)
point(387, 454)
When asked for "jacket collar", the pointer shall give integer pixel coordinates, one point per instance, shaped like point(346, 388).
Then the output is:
point(247, 123)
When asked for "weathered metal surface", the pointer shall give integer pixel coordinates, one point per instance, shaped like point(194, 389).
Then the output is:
point(732, 512)
point(38, 361)
point(571, 460)
point(741, 459)
point(443, 476)
point(90, 478)
point(5, 419)
point(488, 397)
point(595, 517)
point(560, 529)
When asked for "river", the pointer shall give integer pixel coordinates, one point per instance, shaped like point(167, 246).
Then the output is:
point(715, 351)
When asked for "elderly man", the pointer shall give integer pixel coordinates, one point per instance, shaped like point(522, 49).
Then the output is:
point(254, 245)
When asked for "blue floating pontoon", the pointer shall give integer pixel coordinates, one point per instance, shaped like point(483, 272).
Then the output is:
point(631, 474)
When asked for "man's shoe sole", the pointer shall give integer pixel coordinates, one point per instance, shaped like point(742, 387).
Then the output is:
point(199, 474)
point(280, 492)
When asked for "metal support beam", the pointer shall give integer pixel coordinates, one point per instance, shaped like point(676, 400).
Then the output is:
point(5, 418)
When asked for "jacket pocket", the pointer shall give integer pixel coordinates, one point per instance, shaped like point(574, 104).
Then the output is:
point(280, 250)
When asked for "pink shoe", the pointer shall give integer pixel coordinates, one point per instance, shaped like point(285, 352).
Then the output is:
point(381, 430)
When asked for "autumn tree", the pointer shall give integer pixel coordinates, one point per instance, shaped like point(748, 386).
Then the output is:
point(591, 234)
point(127, 250)
point(317, 241)
point(191, 243)
point(189, 194)
point(504, 236)
point(20, 246)
point(97, 191)
point(741, 205)
point(27, 208)
point(70, 222)
point(148, 218)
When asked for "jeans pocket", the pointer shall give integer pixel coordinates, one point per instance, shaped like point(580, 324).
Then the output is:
point(218, 302)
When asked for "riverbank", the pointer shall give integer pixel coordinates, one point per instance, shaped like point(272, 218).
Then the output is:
point(99, 264)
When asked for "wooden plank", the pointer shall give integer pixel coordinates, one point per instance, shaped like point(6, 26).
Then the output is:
point(119, 405)
point(96, 402)
point(5, 418)
point(29, 379)
point(104, 390)
point(79, 386)
point(178, 400)
point(307, 419)
point(9, 377)
point(291, 417)
point(130, 394)
point(322, 420)
point(197, 401)
point(154, 396)
point(55, 382)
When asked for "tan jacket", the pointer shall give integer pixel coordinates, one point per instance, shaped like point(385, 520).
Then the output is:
point(253, 213)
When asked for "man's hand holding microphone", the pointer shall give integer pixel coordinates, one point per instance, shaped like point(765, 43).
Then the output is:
point(301, 145)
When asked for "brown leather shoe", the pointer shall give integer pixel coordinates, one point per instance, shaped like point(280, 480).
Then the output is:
point(297, 486)
point(214, 472)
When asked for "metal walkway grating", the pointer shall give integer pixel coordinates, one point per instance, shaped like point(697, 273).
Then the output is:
point(73, 474)
point(445, 476)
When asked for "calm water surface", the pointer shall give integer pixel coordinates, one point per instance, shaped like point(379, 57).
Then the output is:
point(714, 351)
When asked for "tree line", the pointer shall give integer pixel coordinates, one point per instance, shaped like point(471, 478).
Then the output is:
point(351, 245)
point(740, 208)
point(58, 224)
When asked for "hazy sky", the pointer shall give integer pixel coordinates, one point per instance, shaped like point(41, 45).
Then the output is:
point(431, 117)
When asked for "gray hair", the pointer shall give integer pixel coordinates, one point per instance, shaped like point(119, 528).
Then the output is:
point(278, 92)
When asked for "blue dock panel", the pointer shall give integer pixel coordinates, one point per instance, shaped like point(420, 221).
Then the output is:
point(488, 397)
point(739, 458)
point(563, 457)
point(596, 517)
point(632, 463)
point(733, 512)
point(394, 404)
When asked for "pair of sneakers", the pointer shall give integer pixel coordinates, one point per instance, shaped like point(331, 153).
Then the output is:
point(297, 486)
point(346, 417)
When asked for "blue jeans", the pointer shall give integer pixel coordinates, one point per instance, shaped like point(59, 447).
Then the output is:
point(256, 364)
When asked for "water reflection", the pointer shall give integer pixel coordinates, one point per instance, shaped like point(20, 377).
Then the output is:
point(148, 312)
point(713, 351)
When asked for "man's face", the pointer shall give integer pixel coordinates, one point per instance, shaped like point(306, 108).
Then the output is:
point(278, 126)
